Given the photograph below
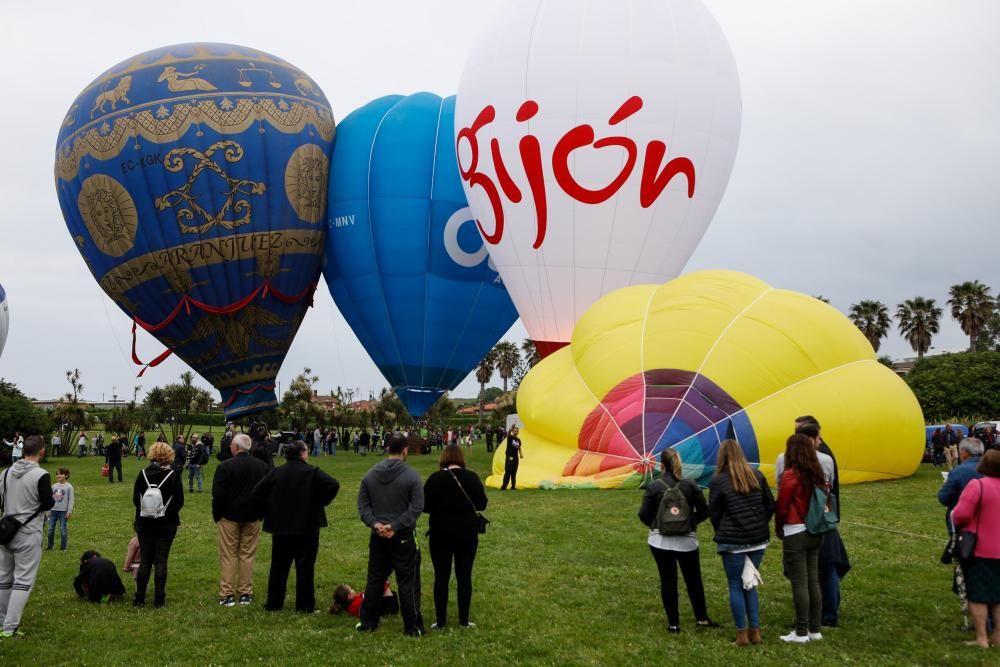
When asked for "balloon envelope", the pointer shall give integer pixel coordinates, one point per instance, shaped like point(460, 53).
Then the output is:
point(404, 261)
point(4, 318)
point(193, 181)
point(705, 357)
point(595, 139)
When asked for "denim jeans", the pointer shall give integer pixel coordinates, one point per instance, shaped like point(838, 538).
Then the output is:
point(745, 605)
point(58, 516)
point(829, 583)
point(194, 473)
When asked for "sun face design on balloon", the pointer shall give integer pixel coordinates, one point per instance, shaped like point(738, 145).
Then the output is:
point(656, 410)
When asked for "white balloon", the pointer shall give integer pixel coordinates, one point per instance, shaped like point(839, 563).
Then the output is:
point(595, 140)
point(4, 318)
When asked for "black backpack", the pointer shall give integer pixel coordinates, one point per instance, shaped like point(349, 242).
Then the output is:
point(673, 517)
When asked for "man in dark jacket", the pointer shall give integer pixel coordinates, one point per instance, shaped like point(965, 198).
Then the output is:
point(969, 453)
point(237, 520)
point(390, 501)
point(98, 577)
point(291, 500)
point(179, 455)
point(113, 457)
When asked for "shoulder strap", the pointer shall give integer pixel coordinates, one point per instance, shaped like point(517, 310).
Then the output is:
point(2, 511)
point(464, 493)
point(145, 478)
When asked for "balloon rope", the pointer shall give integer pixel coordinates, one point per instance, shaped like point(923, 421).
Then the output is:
point(897, 532)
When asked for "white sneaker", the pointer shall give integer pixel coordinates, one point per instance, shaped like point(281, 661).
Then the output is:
point(794, 638)
point(815, 636)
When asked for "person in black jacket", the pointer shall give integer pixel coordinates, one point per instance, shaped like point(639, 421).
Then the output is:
point(740, 506)
point(453, 498)
point(672, 550)
point(237, 521)
point(98, 577)
point(291, 500)
point(156, 534)
point(512, 460)
point(113, 457)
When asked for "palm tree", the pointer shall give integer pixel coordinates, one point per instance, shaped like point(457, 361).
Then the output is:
point(484, 371)
point(507, 359)
point(972, 305)
point(530, 352)
point(872, 317)
point(919, 319)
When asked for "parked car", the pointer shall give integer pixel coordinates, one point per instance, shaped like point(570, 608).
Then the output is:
point(981, 426)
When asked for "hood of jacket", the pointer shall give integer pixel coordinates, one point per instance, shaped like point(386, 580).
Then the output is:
point(23, 467)
point(389, 469)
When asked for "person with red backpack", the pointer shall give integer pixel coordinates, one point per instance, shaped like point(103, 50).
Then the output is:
point(673, 507)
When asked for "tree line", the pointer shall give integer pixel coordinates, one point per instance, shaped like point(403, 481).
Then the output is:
point(919, 319)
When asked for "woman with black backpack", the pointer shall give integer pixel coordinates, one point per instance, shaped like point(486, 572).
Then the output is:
point(740, 505)
point(673, 507)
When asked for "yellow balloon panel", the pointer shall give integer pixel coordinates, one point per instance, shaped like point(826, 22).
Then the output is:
point(723, 355)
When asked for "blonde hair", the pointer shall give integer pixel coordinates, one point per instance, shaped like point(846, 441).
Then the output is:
point(161, 453)
point(732, 461)
point(671, 461)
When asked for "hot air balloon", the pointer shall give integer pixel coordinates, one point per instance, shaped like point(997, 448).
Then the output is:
point(708, 356)
point(4, 318)
point(193, 181)
point(595, 139)
point(405, 263)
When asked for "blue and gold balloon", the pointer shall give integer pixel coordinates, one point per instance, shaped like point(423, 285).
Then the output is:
point(193, 181)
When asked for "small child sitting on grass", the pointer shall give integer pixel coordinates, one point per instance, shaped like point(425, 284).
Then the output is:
point(346, 599)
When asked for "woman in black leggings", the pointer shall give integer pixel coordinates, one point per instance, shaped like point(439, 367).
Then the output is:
point(453, 497)
point(679, 546)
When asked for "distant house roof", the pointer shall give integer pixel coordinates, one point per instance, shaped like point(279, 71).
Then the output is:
point(474, 409)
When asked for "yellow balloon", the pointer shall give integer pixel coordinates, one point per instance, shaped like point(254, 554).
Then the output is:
point(705, 357)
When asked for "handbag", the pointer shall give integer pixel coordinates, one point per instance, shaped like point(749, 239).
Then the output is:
point(8, 524)
point(105, 470)
point(964, 545)
point(481, 521)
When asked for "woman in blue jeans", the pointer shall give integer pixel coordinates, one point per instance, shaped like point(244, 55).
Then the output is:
point(740, 506)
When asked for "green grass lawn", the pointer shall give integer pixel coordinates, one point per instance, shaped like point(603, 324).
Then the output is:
point(563, 577)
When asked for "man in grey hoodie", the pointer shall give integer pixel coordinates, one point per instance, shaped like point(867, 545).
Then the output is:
point(25, 492)
point(390, 501)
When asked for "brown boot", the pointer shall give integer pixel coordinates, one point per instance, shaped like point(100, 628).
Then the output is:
point(741, 638)
point(755, 637)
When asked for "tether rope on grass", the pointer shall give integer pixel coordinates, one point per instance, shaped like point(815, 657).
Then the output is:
point(889, 530)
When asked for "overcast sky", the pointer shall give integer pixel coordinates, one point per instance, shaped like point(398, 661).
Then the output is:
point(868, 167)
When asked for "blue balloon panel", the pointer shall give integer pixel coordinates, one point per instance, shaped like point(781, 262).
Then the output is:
point(405, 262)
point(193, 181)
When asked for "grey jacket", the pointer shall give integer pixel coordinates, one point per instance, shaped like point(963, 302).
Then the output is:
point(24, 488)
point(392, 492)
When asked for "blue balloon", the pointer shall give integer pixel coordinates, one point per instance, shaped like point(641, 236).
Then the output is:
point(404, 260)
point(193, 181)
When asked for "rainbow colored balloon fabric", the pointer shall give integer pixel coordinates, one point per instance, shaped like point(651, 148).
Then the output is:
point(193, 181)
point(405, 263)
point(705, 357)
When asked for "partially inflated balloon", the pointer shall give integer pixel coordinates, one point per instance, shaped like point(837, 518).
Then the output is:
point(193, 180)
point(709, 356)
point(404, 261)
point(595, 139)
point(4, 318)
